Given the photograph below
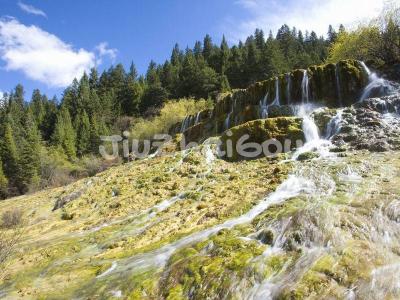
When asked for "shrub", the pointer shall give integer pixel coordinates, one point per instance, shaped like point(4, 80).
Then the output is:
point(11, 218)
point(172, 112)
point(55, 167)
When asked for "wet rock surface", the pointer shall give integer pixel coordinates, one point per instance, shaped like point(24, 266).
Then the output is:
point(373, 124)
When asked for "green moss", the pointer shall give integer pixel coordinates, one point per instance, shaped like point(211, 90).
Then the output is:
point(176, 293)
point(307, 156)
point(207, 271)
point(259, 131)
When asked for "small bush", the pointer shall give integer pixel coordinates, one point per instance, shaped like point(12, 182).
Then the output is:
point(11, 218)
point(66, 216)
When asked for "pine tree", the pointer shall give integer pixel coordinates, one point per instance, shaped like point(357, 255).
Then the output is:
point(133, 72)
point(83, 133)
point(224, 56)
point(84, 100)
point(9, 154)
point(176, 56)
point(197, 50)
point(132, 97)
point(37, 106)
point(260, 40)
point(93, 79)
point(29, 160)
point(332, 35)
point(64, 134)
point(207, 47)
point(47, 126)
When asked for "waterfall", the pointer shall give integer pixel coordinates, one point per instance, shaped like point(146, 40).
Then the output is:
point(305, 88)
point(197, 118)
point(228, 117)
point(264, 107)
point(288, 87)
point(183, 126)
point(334, 125)
point(310, 129)
point(277, 99)
point(227, 120)
point(338, 89)
point(376, 84)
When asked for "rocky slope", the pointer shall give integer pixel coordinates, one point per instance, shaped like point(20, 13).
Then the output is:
point(318, 222)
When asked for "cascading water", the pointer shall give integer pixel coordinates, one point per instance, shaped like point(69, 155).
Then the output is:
point(197, 118)
point(288, 87)
point(264, 107)
point(377, 86)
point(338, 87)
point(290, 188)
point(277, 98)
point(183, 126)
point(310, 129)
point(228, 117)
point(305, 87)
point(227, 121)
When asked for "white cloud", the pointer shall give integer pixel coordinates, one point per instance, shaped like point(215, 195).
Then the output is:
point(103, 50)
point(1, 95)
point(304, 14)
point(42, 56)
point(31, 9)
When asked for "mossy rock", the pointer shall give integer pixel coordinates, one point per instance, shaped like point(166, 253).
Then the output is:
point(307, 156)
point(266, 236)
point(285, 130)
point(243, 104)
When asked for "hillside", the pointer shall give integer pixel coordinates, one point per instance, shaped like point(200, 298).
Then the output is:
point(319, 221)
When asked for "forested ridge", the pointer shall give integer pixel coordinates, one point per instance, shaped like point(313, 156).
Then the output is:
point(47, 142)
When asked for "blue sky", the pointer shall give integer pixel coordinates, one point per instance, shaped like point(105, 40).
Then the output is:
point(44, 44)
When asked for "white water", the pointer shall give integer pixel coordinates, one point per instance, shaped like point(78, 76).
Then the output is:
point(197, 118)
point(349, 175)
point(209, 155)
point(375, 84)
point(310, 129)
point(290, 188)
point(148, 213)
point(293, 186)
point(305, 87)
point(108, 271)
point(164, 205)
point(117, 294)
point(264, 107)
point(385, 282)
point(288, 87)
point(338, 89)
point(185, 124)
point(227, 120)
point(277, 100)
